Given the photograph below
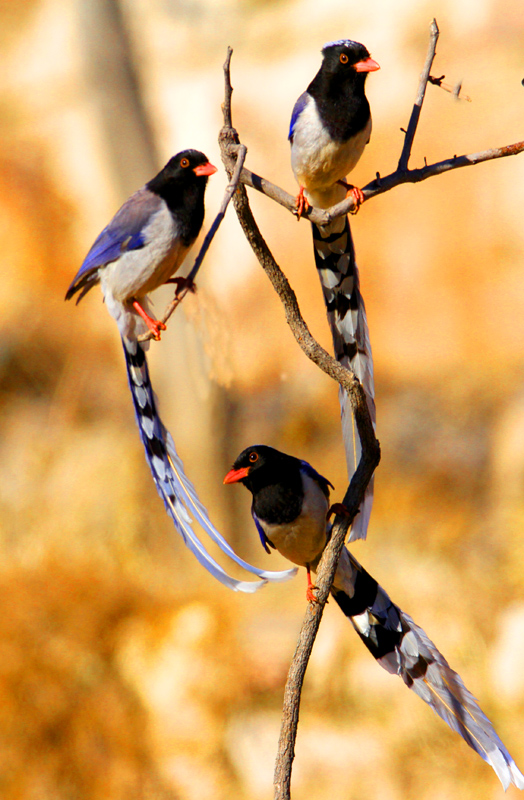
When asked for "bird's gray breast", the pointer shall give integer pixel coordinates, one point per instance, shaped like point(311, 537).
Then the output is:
point(138, 272)
point(302, 540)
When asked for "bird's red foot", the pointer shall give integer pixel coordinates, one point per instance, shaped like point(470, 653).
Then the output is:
point(311, 588)
point(338, 508)
point(357, 195)
point(302, 203)
point(154, 325)
point(183, 283)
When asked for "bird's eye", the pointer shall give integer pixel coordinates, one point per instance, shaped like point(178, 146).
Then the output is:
point(253, 457)
point(344, 58)
point(184, 162)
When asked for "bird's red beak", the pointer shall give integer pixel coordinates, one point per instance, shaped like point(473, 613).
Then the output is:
point(235, 475)
point(205, 169)
point(368, 65)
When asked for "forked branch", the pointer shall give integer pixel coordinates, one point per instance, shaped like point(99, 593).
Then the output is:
point(230, 147)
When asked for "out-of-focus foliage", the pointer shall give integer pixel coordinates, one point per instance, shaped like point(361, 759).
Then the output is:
point(125, 671)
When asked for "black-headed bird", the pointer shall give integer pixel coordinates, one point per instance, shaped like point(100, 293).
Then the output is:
point(139, 250)
point(330, 127)
point(290, 508)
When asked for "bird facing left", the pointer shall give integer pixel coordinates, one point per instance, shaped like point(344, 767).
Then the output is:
point(139, 250)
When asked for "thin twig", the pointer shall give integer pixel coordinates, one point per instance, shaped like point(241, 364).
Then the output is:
point(379, 185)
point(417, 107)
point(189, 284)
point(370, 452)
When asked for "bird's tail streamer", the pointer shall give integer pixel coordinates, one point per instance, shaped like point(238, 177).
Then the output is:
point(174, 487)
point(402, 648)
point(338, 272)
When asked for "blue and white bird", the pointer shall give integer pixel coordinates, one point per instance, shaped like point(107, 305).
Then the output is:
point(290, 508)
point(330, 127)
point(141, 248)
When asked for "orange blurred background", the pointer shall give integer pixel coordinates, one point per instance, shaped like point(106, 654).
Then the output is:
point(125, 670)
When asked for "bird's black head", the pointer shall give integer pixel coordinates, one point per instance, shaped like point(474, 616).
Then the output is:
point(338, 88)
point(182, 185)
point(189, 166)
point(260, 466)
point(346, 60)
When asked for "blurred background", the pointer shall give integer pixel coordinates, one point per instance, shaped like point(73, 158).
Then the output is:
point(125, 670)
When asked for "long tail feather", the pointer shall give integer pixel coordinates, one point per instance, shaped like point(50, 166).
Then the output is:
point(402, 648)
point(174, 487)
point(338, 272)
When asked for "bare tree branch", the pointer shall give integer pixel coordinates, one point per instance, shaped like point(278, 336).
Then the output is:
point(370, 451)
point(230, 146)
point(417, 108)
point(378, 186)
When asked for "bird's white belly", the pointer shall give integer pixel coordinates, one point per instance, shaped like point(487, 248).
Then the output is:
point(318, 162)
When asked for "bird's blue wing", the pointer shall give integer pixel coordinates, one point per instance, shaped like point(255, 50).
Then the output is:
point(297, 111)
point(125, 232)
point(263, 538)
point(316, 476)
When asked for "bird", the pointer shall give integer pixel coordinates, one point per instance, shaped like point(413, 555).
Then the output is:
point(330, 127)
point(290, 507)
point(139, 250)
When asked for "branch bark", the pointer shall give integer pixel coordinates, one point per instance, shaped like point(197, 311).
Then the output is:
point(229, 145)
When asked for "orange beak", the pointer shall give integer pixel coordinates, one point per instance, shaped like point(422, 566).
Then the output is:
point(205, 169)
point(368, 65)
point(235, 475)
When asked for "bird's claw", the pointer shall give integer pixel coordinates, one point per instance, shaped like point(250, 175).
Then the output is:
point(302, 203)
point(338, 508)
point(154, 325)
point(311, 588)
point(310, 594)
point(355, 193)
point(358, 197)
point(183, 283)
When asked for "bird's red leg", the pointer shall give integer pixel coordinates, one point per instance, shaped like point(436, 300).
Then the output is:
point(154, 325)
point(182, 283)
point(302, 203)
point(310, 587)
point(354, 192)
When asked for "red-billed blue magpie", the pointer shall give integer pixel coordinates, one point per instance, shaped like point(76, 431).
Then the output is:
point(141, 248)
point(330, 126)
point(290, 508)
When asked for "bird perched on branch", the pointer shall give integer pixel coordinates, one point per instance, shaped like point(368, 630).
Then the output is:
point(290, 507)
point(141, 248)
point(330, 126)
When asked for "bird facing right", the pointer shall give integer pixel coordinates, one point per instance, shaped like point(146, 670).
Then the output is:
point(330, 126)
point(331, 123)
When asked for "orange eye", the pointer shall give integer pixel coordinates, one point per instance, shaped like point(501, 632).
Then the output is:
point(253, 457)
point(184, 162)
point(344, 58)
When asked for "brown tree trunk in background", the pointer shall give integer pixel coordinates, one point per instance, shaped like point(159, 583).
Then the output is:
point(112, 74)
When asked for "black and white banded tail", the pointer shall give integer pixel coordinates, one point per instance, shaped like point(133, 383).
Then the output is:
point(402, 648)
point(175, 489)
point(346, 312)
